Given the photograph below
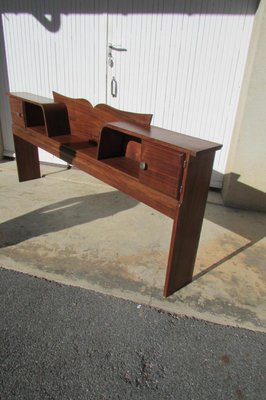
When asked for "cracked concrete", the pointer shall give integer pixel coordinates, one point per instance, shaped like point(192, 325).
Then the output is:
point(72, 228)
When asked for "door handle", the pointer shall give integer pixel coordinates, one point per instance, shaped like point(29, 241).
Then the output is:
point(116, 48)
point(114, 87)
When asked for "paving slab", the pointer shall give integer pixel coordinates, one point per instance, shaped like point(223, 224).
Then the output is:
point(72, 228)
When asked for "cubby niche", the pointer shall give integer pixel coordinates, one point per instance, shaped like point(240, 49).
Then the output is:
point(120, 150)
point(50, 119)
point(34, 117)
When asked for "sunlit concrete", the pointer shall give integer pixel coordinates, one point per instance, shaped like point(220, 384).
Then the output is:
point(72, 228)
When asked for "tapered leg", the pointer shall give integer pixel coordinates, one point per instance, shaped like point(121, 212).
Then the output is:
point(187, 224)
point(27, 160)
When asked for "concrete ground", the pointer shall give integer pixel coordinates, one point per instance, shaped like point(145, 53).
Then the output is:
point(60, 342)
point(71, 228)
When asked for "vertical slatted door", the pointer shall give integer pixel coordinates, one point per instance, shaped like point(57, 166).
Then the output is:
point(61, 48)
point(184, 63)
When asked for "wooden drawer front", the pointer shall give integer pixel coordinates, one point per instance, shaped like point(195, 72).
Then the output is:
point(17, 114)
point(164, 168)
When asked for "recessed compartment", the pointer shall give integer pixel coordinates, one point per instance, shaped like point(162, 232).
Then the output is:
point(34, 116)
point(153, 164)
point(50, 119)
point(120, 150)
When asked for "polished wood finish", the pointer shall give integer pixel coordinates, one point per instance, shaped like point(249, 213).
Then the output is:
point(17, 112)
point(46, 116)
point(166, 170)
point(163, 168)
point(27, 160)
point(86, 120)
point(86, 160)
point(177, 141)
point(188, 222)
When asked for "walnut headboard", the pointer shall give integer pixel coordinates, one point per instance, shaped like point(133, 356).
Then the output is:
point(86, 120)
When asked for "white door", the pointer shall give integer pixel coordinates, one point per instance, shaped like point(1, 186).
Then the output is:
point(47, 49)
point(184, 60)
point(183, 63)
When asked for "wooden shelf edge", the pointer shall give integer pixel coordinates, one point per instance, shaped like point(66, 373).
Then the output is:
point(175, 140)
point(100, 170)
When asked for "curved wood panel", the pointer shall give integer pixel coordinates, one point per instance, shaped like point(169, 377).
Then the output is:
point(81, 116)
point(87, 121)
point(109, 112)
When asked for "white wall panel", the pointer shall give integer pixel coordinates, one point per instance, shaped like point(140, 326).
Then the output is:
point(184, 63)
point(68, 58)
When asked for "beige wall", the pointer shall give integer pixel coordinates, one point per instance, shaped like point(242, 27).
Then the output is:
point(1, 143)
point(245, 179)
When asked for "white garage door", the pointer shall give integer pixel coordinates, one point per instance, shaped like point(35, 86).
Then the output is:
point(183, 61)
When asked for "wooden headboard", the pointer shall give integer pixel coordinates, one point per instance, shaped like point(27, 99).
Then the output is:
point(87, 121)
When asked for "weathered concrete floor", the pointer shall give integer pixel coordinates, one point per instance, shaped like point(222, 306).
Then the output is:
point(72, 228)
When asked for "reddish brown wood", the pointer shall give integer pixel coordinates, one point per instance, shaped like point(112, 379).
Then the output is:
point(17, 112)
point(113, 143)
point(124, 164)
point(81, 116)
point(35, 111)
point(166, 170)
point(87, 120)
point(27, 160)
point(188, 222)
point(110, 114)
point(87, 162)
point(174, 140)
point(133, 150)
point(163, 168)
point(56, 119)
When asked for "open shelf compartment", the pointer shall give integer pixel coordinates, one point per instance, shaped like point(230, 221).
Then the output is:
point(34, 117)
point(121, 151)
